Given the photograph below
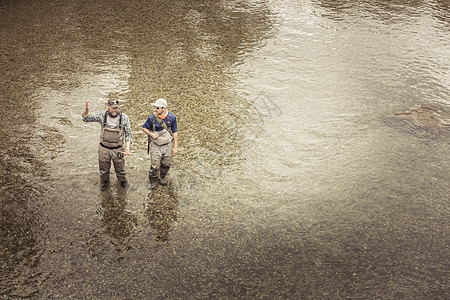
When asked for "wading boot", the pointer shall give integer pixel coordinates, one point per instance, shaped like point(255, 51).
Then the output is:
point(152, 182)
point(104, 185)
point(162, 181)
point(162, 175)
point(124, 184)
point(104, 182)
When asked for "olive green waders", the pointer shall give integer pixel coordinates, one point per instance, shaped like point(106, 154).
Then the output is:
point(105, 156)
point(110, 149)
point(160, 162)
point(160, 155)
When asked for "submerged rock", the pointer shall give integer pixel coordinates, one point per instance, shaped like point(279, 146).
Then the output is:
point(422, 121)
point(427, 116)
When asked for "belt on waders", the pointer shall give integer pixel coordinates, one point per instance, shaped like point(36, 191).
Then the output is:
point(111, 148)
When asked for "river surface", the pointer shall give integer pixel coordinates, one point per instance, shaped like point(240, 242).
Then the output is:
point(313, 161)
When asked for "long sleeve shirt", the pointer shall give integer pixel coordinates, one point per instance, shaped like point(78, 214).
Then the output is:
point(100, 117)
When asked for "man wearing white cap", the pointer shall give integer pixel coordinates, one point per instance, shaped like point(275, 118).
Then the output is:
point(161, 128)
point(115, 129)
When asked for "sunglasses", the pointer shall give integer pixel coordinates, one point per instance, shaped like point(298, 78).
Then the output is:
point(157, 107)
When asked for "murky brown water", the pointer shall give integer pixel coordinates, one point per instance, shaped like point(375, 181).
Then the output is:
point(299, 175)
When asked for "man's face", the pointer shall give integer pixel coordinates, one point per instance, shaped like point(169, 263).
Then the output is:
point(159, 110)
point(113, 111)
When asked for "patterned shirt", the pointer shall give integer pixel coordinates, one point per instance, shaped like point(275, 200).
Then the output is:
point(100, 117)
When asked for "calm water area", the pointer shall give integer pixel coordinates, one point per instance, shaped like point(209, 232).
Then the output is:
point(314, 146)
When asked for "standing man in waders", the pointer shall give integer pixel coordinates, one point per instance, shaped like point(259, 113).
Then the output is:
point(161, 128)
point(115, 129)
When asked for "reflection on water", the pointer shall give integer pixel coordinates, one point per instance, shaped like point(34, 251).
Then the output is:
point(306, 169)
point(119, 222)
point(162, 211)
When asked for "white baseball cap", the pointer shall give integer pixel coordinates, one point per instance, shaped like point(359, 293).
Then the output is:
point(160, 102)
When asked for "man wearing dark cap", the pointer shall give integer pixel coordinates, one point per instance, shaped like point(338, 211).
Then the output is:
point(115, 132)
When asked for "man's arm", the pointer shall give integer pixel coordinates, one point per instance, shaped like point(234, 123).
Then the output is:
point(146, 129)
point(175, 143)
point(86, 110)
point(174, 128)
point(151, 134)
point(87, 117)
point(127, 148)
point(128, 135)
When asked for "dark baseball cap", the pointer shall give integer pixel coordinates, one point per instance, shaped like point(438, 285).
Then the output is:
point(113, 102)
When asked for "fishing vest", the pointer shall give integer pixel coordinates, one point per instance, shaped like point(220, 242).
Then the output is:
point(165, 135)
point(112, 138)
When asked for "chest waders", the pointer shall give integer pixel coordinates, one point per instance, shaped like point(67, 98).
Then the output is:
point(165, 127)
point(112, 138)
point(161, 159)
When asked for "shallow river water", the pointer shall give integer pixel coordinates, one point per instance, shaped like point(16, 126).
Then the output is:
point(313, 160)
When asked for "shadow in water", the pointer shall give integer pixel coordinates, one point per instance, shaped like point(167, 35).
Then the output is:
point(118, 222)
point(162, 211)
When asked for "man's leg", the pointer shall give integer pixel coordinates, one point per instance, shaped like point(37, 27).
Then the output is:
point(166, 162)
point(119, 167)
point(104, 165)
point(155, 165)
